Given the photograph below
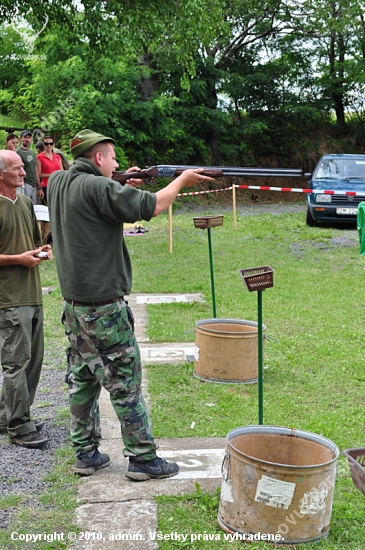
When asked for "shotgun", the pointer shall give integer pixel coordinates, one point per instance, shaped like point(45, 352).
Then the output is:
point(172, 171)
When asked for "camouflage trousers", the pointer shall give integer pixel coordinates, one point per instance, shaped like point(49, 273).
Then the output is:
point(103, 352)
point(96, 413)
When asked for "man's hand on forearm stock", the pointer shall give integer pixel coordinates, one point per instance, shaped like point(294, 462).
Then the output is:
point(188, 178)
point(191, 177)
point(134, 182)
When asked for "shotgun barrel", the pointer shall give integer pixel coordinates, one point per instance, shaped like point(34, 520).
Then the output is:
point(247, 172)
point(172, 170)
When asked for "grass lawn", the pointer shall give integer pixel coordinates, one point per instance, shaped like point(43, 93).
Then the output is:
point(314, 316)
point(315, 379)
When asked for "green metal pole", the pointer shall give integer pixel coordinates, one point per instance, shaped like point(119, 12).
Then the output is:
point(260, 380)
point(211, 272)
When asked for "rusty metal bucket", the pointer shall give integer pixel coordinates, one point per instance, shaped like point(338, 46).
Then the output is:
point(277, 485)
point(226, 351)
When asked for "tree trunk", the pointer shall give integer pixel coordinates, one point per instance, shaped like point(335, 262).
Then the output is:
point(213, 133)
point(148, 84)
point(213, 142)
point(337, 76)
point(340, 113)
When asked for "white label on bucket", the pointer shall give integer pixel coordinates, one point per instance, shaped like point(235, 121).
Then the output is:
point(275, 492)
point(196, 353)
point(313, 502)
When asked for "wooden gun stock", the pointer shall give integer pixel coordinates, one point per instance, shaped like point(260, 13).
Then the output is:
point(122, 177)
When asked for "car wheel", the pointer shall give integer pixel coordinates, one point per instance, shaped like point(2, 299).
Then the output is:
point(309, 219)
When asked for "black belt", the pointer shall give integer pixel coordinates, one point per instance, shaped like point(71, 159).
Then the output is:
point(87, 304)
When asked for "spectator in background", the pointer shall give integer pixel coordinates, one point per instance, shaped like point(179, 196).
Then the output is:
point(47, 163)
point(12, 142)
point(65, 163)
point(40, 147)
point(28, 156)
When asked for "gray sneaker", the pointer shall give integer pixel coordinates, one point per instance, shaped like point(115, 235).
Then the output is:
point(31, 440)
point(88, 463)
point(157, 468)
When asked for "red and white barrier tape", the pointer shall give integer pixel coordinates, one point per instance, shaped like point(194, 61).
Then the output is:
point(295, 190)
point(282, 189)
point(202, 192)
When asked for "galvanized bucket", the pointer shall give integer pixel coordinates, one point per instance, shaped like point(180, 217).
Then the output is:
point(226, 351)
point(277, 485)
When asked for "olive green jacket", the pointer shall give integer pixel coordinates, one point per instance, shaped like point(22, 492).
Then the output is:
point(87, 212)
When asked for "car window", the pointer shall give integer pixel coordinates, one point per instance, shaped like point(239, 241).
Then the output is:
point(329, 168)
point(357, 170)
point(340, 169)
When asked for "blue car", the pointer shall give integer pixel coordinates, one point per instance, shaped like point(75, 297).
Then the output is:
point(336, 173)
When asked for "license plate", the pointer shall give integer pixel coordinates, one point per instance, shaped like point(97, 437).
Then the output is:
point(346, 211)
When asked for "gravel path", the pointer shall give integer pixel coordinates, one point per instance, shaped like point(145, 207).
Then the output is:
point(23, 470)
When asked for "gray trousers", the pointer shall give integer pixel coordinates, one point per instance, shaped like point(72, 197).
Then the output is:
point(21, 357)
point(31, 192)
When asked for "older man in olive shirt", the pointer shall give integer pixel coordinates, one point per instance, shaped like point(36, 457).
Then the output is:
point(21, 311)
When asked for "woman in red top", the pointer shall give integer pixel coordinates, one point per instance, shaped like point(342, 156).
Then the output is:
point(47, 163)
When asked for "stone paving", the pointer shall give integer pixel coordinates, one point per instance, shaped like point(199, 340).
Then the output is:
point(110, 504)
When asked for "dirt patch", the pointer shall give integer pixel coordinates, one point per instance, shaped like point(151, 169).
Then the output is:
point(349, 239)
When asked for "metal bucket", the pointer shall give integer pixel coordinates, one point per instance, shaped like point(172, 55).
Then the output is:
point(226, 351)
point(277, 485)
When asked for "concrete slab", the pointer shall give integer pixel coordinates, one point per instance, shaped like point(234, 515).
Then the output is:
point(140, 318)
point(172, 354)
point(161, 299)
point(115, 525)
point(164, 298)
point(199, 459)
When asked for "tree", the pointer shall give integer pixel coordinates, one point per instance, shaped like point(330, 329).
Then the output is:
point(336, 31)
point(13, 64)
point(200, 80)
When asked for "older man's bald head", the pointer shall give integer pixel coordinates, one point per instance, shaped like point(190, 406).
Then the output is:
point(6, 157)
point(11, 173)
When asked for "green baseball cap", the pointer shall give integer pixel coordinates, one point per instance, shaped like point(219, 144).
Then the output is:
point(84, 140)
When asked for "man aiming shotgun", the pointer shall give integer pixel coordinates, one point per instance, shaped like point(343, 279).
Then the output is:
point(87, 211)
